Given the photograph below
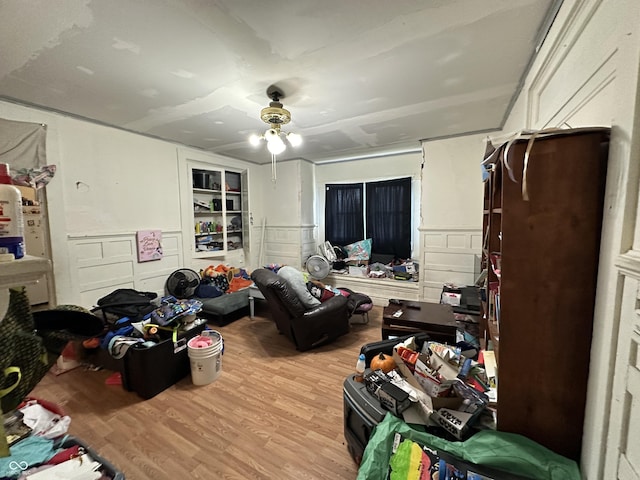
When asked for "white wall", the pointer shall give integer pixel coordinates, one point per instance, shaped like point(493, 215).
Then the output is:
point(113, 181)
point(110, 183)
point(452, 187)
point(289, 234)
point(451, 230)
point(307, 187)
point(282, 196)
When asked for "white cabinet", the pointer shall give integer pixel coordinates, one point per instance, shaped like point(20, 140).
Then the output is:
point(35, 245)
point(218, 209)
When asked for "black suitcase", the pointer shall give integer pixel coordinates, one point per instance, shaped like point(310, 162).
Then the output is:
point(362, 412)
point(370, 350)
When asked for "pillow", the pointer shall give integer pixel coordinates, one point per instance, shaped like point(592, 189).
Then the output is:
point(298, 284)
point(359, 250)
point(321, 293)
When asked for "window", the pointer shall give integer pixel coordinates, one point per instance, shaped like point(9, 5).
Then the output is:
point(343, 213)
point(381, 209)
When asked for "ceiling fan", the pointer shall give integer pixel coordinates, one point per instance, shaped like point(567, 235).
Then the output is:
point(275, 115)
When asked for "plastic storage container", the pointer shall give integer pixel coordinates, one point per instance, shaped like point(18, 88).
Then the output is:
point(360, 366)
point(11, 222)
point(205, 355)
point(149, 371)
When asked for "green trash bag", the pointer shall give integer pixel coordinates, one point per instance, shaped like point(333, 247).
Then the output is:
point(515, 455)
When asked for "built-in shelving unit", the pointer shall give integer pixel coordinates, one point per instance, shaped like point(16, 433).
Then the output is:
point(218, 207)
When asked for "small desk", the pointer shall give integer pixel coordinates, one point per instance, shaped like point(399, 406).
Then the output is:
point(254, 292)
point(433, 318)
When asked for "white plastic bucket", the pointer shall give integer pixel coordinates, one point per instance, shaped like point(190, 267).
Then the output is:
point(206, 362)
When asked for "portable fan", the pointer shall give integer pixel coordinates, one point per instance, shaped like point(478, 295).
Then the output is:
point(183, 283)
point(318, 266)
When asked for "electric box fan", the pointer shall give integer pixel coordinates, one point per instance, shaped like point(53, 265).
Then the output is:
point(318, 266)
point(183, 283)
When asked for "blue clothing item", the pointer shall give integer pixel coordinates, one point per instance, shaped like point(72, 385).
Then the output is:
point(26, 453)
point(125, 330)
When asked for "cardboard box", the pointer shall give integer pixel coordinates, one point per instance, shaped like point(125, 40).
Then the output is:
point(430, 384)
point(437, 402)
point(358, 271)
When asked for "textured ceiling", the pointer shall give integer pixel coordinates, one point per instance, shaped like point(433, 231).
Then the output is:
point(360, 77)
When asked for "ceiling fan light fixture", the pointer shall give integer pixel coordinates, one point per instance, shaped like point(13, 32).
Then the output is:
point(271, 135)
point(276, 146)
point(294, 139)
point(255, 140)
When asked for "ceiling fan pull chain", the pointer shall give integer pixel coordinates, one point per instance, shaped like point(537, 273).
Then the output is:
point(273, 168)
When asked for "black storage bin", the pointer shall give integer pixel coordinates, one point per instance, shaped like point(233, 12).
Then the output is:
point(107, 468)
point(362, 412)
point(149, 371)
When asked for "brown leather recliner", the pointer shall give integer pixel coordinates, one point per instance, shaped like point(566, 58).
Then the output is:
point(306, 328)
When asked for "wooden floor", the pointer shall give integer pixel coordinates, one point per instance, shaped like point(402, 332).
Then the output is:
point(274, 413)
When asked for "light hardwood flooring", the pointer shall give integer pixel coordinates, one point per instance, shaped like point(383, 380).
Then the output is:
point(274, 413)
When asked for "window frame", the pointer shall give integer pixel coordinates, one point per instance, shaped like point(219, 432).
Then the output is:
point(413, 191)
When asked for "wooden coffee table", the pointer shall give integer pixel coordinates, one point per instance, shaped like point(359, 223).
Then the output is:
point(436, 319)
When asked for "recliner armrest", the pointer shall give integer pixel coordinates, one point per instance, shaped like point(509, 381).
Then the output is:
point(332, 305)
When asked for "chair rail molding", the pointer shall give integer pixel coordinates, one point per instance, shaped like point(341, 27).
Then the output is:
point(629, 264)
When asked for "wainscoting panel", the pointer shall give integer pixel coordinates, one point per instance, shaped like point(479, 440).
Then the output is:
point(105, 274)
point(103, 263)
point(290, 245)
point(450, 255)
point(625, 419)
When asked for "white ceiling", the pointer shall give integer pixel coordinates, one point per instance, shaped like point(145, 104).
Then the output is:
point(359, 76)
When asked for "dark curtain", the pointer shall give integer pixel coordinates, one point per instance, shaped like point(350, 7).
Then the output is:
point(343, 214)
point(389, 217)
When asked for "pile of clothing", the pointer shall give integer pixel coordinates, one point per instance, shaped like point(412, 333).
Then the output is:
point(220, 279)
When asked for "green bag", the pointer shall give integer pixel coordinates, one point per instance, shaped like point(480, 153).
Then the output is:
point(502, 451)
point(24, 358)
point(30, 343)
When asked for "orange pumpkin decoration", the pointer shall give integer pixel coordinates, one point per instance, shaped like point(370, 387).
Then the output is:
point(383, 362)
